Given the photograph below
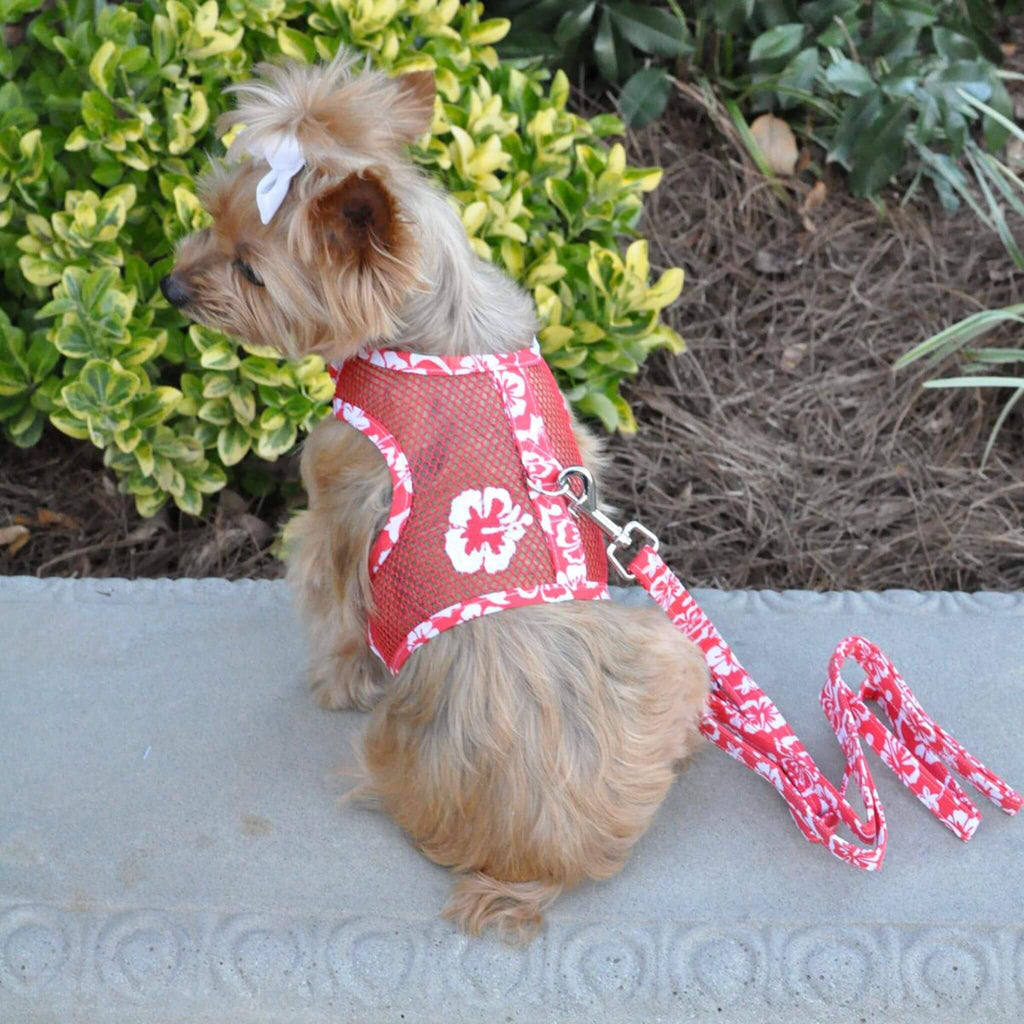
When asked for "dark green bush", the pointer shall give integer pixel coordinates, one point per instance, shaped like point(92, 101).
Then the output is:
point(614, 37)
point(909, 86)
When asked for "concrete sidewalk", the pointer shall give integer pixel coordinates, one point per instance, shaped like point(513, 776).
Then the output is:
point(171, 848)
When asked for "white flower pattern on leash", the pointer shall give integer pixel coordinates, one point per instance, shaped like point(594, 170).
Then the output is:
point(484, 528)
point(744, 722)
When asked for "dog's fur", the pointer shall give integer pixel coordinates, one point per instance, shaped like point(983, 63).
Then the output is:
point(527, 750)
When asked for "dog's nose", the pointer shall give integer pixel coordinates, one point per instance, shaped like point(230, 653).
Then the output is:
point(175, 291)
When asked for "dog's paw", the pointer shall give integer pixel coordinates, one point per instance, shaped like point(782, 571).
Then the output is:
point(351, 691)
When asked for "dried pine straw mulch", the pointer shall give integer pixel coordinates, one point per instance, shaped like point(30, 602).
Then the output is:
point(779, 451)
point(782, 450)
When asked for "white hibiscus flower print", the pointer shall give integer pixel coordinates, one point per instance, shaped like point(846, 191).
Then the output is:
point(762, 715)
point(964, 822)
point(421, 634)
point(484, 528)
point(352, 415)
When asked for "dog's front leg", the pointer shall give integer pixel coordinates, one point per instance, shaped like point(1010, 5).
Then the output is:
point(349, 490)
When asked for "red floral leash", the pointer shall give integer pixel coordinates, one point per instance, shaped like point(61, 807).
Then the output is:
point(742, 720)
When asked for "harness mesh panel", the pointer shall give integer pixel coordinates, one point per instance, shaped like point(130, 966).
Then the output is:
point(455, 435)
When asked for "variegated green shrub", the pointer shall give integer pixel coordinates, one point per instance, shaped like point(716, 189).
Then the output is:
point(105, 120)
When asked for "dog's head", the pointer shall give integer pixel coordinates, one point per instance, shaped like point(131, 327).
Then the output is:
point(324, 260)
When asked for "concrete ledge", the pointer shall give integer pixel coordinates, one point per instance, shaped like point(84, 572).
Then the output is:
point(172, 850)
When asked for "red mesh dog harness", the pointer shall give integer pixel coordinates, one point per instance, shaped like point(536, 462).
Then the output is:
point(472, 443)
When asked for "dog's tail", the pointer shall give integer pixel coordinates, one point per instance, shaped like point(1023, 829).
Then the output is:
point(514, 908)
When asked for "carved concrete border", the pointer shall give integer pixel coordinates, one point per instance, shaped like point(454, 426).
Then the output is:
point(153, 959)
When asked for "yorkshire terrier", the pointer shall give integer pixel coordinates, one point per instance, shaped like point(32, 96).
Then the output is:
point(527, 750)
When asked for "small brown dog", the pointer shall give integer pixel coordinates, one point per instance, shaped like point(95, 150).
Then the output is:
point(527, 750)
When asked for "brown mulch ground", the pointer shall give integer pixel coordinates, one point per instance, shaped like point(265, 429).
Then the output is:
point(782, 450)
point(779, 451)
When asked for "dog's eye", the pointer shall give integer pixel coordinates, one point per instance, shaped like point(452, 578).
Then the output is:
point(248, 273)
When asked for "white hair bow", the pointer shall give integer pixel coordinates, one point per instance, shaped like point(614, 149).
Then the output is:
point(286, 160)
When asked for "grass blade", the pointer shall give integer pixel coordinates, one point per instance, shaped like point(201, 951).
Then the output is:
point(995, 355)
point(957, 184)
point(1003, 178)
point(755, 151)
point(960, 333)
point(1004, 412)
point(1002, 119)
point(998, 217)
point(976, 382)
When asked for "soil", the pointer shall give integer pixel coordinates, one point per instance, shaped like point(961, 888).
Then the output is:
point(781, 450)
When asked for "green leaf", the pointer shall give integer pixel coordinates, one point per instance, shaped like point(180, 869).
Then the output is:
point(820, 14)
point(71, 425)
point(644, 96)
point(777, 44)
point(858, 118)
point(572, 24)
point(100, 387)
point(155, 406)
point(848, 77)
point(996, 132)
point(951, 45)
point(981, 175)
point(565, 197)
point(208, 478)
point(611, 51)
point(143, 453)
point(220, 356)
point(108, 173)
point(102, 65)
point(164, 42)
point(261, 370)
point(217, 410)
point(242, 401)
point(751, 144)
point(217, 385)
point(879, 154)
point(13, 379)
point(148, 503)
point(41, 272)
point(1000, 420)
point(127, 438)
point(269, 445)
point(296, 45)
point(596, 404)
point(189, 500)
point(26, 430)
point(94, 287)
point(73, 341)
point(41, 357)
point(650, 29)
point(797, 78)
point(233, 443)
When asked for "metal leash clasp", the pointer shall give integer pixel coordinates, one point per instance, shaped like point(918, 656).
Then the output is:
point(585, 503)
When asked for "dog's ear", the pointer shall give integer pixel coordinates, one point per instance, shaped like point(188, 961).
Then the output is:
point(357, 219)
point(367, 250)
point(412, 109)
